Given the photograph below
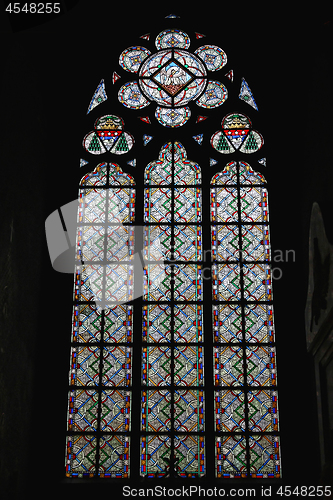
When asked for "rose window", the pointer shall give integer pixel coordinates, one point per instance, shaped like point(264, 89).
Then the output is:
point(173, 77)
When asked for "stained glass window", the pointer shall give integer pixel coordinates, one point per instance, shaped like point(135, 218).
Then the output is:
point(175, 324)
point(100, 377)
point(247, 441)
point(172, 356)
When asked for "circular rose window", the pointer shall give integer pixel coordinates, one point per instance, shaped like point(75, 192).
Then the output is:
point(172, 77)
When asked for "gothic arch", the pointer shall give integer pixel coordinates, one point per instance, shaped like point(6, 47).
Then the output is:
point(185, 317)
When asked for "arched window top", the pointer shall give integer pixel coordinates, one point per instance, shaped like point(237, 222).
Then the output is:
point(107, 174)
point(172, 156)
point(246, 175)
point(175, 318)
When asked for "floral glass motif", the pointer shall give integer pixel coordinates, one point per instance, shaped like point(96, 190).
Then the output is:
point(173, 77)
point(100, 379)
point(172, 356)
point(247, 439)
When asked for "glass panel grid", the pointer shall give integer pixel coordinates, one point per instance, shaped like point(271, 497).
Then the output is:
point(246, 397)
point(100, 378)
point(172, 355)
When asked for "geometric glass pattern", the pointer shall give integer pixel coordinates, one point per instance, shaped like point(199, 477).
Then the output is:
point(246, 409)
point(246, 95)
point(131, 58)
point(214, 57)
point(214, 95)
point(172, 354)
point(99, 96)
point(100, 378)
point(172, 117)
point(172, 38)
point(172, 77)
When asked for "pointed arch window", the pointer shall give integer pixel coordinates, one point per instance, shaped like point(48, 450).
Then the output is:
point(171, 326)
point(99, 399)
point(172, 372)
point(244, 350)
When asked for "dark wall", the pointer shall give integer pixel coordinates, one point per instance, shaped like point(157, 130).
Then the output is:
point(49, 75)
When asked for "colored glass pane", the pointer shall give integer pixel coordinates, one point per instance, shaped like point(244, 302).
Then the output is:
point(131, 58)
point(236, 134)
point(100, 378)
point(172, 77)
point(171, 38)
point(108, 136)
point(246, 95)
point(214, 57)
point(131, 97)
point(246, 425)
point(99, 96)
point(172, 356)
point(172, 117)
point(214, 95)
